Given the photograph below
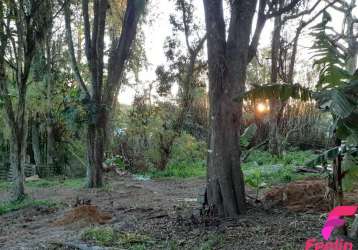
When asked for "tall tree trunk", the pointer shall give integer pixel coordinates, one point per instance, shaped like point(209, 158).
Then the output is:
point(51, 146)
point(226, 186)
point(275, 105)
point(50, 121)
point(96, 138)
point(351, 37)
point(228, 62)
point(36, 147)
point(17, 161)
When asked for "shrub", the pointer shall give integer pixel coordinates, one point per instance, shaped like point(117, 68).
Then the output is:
point(188, 159)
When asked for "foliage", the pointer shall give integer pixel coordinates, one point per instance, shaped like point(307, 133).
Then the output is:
point(188, 159)
point(329, 58)
point(338, 88)
point(117, 161)
point(350, 165)
point(7, 207)
point(248, 135)
point(133, 240)
point(212, 241)
point(263, 169)
point(278, 91)
point(254, 179)
point(105, 236)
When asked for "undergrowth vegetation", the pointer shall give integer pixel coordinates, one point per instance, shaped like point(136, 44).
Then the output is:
point(187, 159)
point(48, 183)
point(272, 169)
point(7, 207)
point(107, 236)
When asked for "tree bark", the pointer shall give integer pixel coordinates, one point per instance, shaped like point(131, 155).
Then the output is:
point(95, 154)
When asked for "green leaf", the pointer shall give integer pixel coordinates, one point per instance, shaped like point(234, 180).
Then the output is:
point(248, 134)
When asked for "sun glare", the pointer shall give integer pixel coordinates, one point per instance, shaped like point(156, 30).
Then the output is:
point(261, 107)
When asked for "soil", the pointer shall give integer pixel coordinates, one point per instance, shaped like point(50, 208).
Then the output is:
point(166, 212)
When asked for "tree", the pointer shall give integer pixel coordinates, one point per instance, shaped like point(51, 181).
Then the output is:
point(104, 81)
point(184, 69)
point(282, 66)
point(228, 58)
point(23, 25)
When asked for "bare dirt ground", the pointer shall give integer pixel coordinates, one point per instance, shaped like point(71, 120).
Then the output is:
point(159, 209)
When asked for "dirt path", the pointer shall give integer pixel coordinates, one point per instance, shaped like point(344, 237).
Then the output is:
point(160, 209)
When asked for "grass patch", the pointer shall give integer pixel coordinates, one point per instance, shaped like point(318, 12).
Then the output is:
point(4, 185)
point(180, 171)
point(7, 207)
point(107, 236)
point(56, 182)
point(213, 241)
point(104, 236)
point(74, 183)
point(47, 183)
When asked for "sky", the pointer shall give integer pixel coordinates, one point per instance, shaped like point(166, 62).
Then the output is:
point(158, 28)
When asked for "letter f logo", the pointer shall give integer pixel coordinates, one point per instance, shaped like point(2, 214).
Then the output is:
point(334, 219)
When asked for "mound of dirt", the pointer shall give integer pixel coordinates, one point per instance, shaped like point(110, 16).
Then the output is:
point(88, 214)
point(299, 196)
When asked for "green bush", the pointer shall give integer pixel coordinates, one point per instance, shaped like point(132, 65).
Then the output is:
point(188, 159)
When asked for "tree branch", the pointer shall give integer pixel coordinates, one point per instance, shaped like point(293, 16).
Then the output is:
point(283, 9)
point(87, 29)
point(260, 24)
point(186, 26)
point(73, 61)
point(302, 13)
point(120, 50)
